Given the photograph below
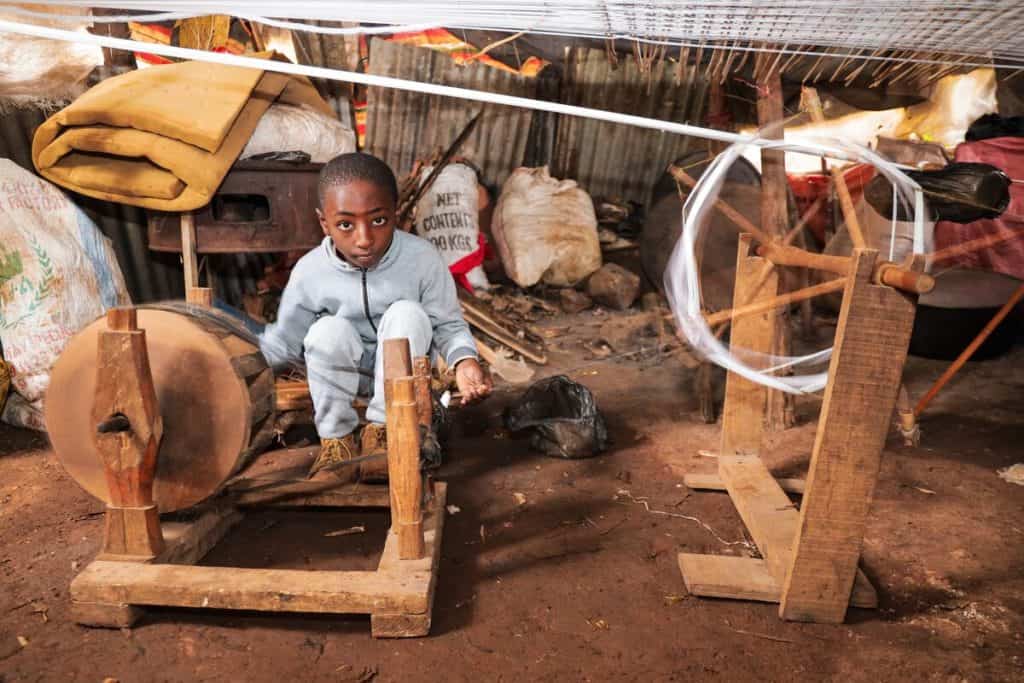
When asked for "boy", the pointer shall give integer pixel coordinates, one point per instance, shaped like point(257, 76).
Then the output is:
point(365, 283)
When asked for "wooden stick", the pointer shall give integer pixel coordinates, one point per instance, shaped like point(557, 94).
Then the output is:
point(969, 351)
point(972, 246)
point(813, 104)
point(188, 250)
point(732, 214)
point(486, 324)
point(404, 478)
point(436, 171)
point(782, 255)
point(776, 301)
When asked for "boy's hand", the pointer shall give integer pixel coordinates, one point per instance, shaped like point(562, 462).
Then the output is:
point(473, 384)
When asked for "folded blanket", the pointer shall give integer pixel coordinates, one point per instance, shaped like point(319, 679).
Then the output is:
point(163, 137)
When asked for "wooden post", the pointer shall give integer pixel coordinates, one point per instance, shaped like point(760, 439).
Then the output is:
point(404, 475)
point(424, 403)
point(397, 363)
point(871, 343)
point(128, 432)
point(188, 251)
point(743, 415)
point(774, 217)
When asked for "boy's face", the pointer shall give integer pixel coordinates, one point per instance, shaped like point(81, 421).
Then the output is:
point(359, 216)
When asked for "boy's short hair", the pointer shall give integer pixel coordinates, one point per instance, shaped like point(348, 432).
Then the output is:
point(356, 166)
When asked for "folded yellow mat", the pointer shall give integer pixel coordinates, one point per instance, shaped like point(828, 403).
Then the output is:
point(162, 137)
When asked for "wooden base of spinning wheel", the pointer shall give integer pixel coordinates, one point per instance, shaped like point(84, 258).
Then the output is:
point(150, 560)
point(810, 556)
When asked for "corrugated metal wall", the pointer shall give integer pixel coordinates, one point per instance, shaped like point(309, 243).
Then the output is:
point(607, 160)
point(613, 160)
point(402, 126)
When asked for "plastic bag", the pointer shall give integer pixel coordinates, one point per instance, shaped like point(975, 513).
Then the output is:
point(58, 273)
point(286, 128)
point(995, 126)
point(961, 192)
point(447, 215)
point(545, 230)
point(564, 417)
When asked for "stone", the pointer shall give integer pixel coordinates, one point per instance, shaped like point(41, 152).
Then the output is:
point(574, 301)
point(614, 286)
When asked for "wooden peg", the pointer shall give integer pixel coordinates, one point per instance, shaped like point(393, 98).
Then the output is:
point(404, 475)
point(421, 377)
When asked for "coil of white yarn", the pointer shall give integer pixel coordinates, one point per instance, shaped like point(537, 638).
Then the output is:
point(682, 281)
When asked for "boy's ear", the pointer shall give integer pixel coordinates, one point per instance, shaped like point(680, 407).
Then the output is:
point(323, 223)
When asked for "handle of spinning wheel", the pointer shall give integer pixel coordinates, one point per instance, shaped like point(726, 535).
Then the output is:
point(903, 279)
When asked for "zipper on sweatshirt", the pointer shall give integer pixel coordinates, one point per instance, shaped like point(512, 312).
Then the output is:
point(366, 303)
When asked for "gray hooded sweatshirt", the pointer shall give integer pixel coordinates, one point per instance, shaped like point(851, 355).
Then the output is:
point(323, 283)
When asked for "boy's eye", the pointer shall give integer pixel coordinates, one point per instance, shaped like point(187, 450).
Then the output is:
point(379, 221)
point(345, 225)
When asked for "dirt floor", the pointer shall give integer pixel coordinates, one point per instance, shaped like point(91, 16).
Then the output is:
point(556, 570)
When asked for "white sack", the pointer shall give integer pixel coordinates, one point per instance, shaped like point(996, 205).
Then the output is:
point(448, 216)
point(545, 230)
point(287, 128)
point(58, 273)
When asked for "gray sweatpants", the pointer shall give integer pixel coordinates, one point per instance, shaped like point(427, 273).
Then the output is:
point(334, 349)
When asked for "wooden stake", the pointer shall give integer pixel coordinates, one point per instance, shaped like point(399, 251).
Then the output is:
point(404, 478)
point(188, 250)
point(779, 406)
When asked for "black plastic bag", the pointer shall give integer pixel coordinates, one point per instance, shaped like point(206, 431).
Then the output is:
point(563, 416)
point(995, 126)
point(961, 192)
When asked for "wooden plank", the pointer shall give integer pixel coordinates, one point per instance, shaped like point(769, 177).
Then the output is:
point(276, 590)
point(188, 542)
point(748, 578)
point(743, 412)
point(713, 482)
point(303, 492)
point(724, 576)
point(871, 343)
point(765, 508)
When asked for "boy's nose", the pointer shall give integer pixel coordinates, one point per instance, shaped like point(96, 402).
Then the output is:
point(363, 240)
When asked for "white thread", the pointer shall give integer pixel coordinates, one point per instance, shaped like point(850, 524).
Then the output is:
point(978, 29)
point(414, 86)
point(682, 283)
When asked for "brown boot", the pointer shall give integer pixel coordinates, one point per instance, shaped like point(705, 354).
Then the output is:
point(375, 442)
point(331, 463)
